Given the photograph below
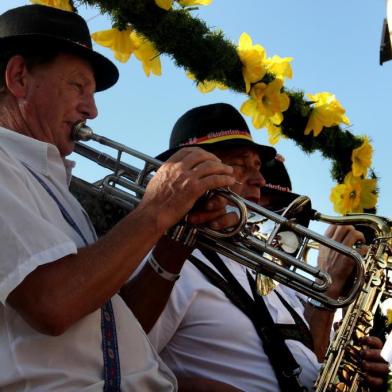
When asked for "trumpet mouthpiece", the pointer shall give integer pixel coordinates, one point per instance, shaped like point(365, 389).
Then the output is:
point(82, 132)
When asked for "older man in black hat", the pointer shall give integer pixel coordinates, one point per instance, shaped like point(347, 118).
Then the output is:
point(62, 325)
point(215, 332)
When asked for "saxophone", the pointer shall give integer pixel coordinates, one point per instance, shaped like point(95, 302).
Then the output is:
point(341, 370)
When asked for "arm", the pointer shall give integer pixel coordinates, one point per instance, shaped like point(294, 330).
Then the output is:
point(58, 294)
point(340, 268)
point(147, 293)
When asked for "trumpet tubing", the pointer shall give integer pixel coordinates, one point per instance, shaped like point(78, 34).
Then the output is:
point(127, 184)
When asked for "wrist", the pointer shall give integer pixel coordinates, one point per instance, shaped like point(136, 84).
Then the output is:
point(162, 272)
point(150, 219)
point(171, 254)
point(314, 303)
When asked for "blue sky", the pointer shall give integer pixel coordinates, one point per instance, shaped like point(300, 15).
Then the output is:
point(335, 46)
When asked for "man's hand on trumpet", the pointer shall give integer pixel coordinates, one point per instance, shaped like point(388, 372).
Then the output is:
point(338, 266)
point(176, 191)
point(181, 181)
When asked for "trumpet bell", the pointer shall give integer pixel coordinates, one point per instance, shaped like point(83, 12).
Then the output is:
point(288, 241)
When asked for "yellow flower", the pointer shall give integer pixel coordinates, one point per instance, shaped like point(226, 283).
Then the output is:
point(354, 194)
point(147, 54)
point(188, 3)
point(327, 111)
point(165, 4)
point(119, 41)
point(280, 66)
point(266, 103)
point(361, 158)
point(389, 316)
point(252, 58)
point(61, 4)
point(208, 85)
point(274, 133)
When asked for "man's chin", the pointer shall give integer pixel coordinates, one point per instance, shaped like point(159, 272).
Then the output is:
point(67, 149)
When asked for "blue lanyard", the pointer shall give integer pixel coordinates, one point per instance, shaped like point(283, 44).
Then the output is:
point(111, 359)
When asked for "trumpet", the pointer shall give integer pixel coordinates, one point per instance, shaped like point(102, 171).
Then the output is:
point(126, 185)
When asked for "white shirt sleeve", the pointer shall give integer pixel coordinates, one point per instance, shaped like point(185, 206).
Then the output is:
point(176, 308)
point(29, 238)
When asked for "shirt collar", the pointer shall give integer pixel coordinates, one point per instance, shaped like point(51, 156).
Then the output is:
point(40, 156)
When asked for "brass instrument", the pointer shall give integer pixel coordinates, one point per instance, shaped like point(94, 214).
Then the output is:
point(341, 370)
point(126, 186)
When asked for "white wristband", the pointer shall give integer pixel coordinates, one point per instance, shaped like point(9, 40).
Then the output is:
point(318, 305)
point(161, 271)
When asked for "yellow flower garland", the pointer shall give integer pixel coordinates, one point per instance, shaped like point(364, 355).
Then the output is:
point(263, 79)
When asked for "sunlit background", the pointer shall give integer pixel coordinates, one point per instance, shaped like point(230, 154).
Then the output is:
point(335, 45)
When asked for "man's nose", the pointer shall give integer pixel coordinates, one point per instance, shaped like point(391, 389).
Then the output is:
point(257, 179)
point(88, 107)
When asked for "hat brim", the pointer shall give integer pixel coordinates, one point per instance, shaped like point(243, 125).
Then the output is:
point(266, 153)
point(105, 72)
point(275, 174)
point(277, 199)
point(277, 191)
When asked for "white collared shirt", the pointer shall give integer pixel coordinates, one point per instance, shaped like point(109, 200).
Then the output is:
point(202, 334)
point(33, 232)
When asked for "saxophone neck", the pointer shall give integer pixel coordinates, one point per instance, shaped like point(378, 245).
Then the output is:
point(381, 225)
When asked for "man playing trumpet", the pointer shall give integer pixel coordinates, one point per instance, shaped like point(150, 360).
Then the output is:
point(215, 332)
point(63, 326)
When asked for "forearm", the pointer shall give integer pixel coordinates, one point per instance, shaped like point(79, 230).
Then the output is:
point(320, 325)
point(148, 292)
point(62, 292)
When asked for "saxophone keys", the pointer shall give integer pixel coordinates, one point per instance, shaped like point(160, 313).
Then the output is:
point(353, 353)
point(342, 387)
point(360, 333)
point(346, 372)
point(376, 281)
point(367, 318)
point(362, 330)
point(264, 284)
point(381, 263)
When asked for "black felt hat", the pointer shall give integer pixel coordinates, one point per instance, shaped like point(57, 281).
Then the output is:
point(42, 27)
point(208, 126)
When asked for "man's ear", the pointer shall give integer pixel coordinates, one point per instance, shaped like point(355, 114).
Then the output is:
point(16, 76)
